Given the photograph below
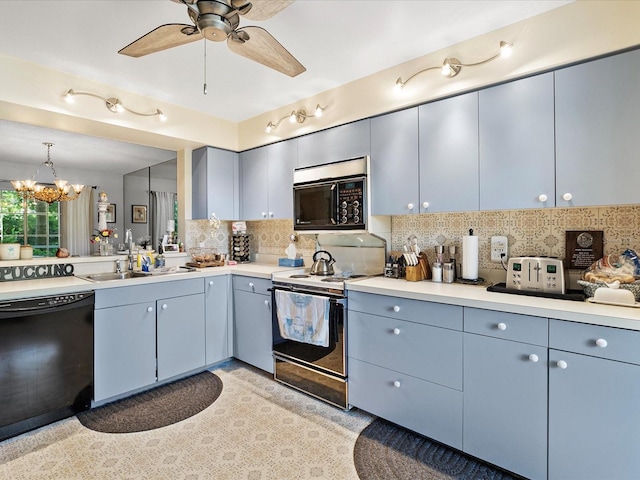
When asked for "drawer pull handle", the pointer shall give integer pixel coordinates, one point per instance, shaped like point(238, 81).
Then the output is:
point(533, 357)
point(562, 364)
point(601, 342)
point(396, 384)
point(396, 308)
point(396, 331)
point(266, 302)
point(164, 306)
point(149, 309)
point(250, 284)
point(211, 283)
point(502, 326)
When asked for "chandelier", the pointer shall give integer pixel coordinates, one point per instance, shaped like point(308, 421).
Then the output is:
point(60, 192)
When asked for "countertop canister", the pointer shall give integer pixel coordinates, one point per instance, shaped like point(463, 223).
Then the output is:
point(26, 252)
point(9, 251)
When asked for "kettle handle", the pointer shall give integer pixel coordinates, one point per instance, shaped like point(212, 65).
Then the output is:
point(322, 251)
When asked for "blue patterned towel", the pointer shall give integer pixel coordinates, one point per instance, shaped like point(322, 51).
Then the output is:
point(303, 318)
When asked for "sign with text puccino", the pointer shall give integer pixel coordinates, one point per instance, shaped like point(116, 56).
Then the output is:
point(32, 272)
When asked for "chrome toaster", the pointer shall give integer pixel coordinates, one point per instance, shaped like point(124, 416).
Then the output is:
point(538, 274)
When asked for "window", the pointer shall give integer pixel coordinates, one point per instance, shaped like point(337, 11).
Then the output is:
point(42, 222)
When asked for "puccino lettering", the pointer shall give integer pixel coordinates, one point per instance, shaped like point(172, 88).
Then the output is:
point(31, 272)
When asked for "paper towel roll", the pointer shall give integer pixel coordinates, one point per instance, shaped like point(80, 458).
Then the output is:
point(470, 257)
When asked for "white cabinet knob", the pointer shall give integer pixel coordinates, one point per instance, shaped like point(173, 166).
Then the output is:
point(533, 357)
point(567, 197)
point(502, 326)
point(270, 214)
point(410, 206)
point(164, 306)
point(211, 283)
point(396, 331)
point(562, 364)
point(266, 303)
point(601, 342)
point(396, 308)
point(264, 214)
point(149, 309)
point(542, 198)
point(425, 204)
point(250, 284)
point(396, 384)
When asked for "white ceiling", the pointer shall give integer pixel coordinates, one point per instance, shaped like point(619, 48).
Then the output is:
point(338, 41)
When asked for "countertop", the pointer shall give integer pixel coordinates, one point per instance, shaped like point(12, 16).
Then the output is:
point(61, 285)
point(479, 297)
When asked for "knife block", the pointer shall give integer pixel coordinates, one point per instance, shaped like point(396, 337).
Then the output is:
point(414, 273)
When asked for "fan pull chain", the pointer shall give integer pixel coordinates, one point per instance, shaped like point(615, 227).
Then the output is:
point(205, 66)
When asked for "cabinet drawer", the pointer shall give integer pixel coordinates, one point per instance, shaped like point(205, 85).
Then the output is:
point(252, 284)
point(597, 341)
point(430, 353)
point(428, 313)
point(509, 326)
point(424, 407)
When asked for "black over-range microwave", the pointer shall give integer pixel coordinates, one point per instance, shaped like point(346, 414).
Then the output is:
point(331, 197)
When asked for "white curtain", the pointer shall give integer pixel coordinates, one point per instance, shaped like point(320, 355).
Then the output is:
point(76, 223)
point(162, 209)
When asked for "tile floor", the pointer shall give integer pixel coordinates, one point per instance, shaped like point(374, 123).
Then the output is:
point(256, 430)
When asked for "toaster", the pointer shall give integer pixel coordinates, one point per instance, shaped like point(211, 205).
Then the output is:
point(536, 274)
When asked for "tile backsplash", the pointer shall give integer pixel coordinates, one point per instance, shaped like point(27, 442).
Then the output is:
point(530, 232)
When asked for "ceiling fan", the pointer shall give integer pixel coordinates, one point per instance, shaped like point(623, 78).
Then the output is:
point(218, 20)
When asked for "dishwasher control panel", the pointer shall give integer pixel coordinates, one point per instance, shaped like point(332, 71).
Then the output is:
point(536, 274)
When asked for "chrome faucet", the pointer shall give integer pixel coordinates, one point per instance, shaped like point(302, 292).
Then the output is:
point(118, 267)
point(128, 239)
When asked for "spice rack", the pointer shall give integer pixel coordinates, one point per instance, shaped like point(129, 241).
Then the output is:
point(239, 250)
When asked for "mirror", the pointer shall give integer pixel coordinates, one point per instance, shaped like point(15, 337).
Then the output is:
point(150, 201)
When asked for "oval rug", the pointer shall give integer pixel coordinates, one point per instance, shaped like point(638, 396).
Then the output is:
point(155, 408)
point(385, 451)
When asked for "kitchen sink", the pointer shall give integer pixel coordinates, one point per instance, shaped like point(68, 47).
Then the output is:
point(111, 276)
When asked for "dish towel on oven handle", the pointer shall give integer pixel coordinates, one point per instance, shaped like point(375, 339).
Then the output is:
point(303, 317)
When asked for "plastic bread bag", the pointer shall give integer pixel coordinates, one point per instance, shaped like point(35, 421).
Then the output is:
point(632, 256)
point(611, 268)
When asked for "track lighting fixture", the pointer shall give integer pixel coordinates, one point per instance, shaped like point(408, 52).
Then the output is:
point(113, 104)
point(452, 66)
point(296, 116)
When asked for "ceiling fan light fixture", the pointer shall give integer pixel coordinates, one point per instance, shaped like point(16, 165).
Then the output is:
point(68, 97)
point(318, 111)
point(452, 66)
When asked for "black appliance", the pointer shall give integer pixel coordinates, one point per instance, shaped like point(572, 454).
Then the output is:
point(46, 360)
point(331, 197)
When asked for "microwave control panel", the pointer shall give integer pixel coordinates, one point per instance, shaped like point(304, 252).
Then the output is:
point(351, 202)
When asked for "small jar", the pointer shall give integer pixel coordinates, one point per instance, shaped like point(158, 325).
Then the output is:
point(448, 272)
point(436, 272)
point(26, 252)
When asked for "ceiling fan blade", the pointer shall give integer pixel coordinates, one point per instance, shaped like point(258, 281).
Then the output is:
point(161, 38)
point(185, 1)
point(261, 47)
point(264, 9)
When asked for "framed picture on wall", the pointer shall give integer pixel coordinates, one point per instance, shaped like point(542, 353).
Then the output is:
point(111, 213)
point(138, 213)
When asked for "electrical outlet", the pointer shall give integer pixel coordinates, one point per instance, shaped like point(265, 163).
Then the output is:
point(499, 249)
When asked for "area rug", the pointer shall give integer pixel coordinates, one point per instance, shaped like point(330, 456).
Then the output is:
point(155, 408)
point(385, 451)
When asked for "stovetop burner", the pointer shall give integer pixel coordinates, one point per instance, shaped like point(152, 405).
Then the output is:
point(298, 276)
point(333, 279)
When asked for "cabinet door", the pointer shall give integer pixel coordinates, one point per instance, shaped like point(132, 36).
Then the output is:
point(252, 329)
point(124, 349)
point(253, 184)
point(517, 144)
point(597, 141)
point(216, 319)
point(283, 159)
point(181, 335)
point(593, 418)
point(335, 144)
point(394, 163)
point(214, 183)
point(449, 155)
point(505, 404)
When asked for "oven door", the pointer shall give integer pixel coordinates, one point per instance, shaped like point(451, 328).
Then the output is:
point(315, 206)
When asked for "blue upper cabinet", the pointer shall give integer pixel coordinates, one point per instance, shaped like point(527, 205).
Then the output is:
point(517, 145)
point(214, 184)
point(394, 163)
point(597, 140)
point(449, 155)
point(266, 177)
point(335, 144)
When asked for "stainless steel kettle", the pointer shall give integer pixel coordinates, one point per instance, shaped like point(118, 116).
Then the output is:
point(322, 266)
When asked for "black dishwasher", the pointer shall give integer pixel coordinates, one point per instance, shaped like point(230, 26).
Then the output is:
point(46, 360)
